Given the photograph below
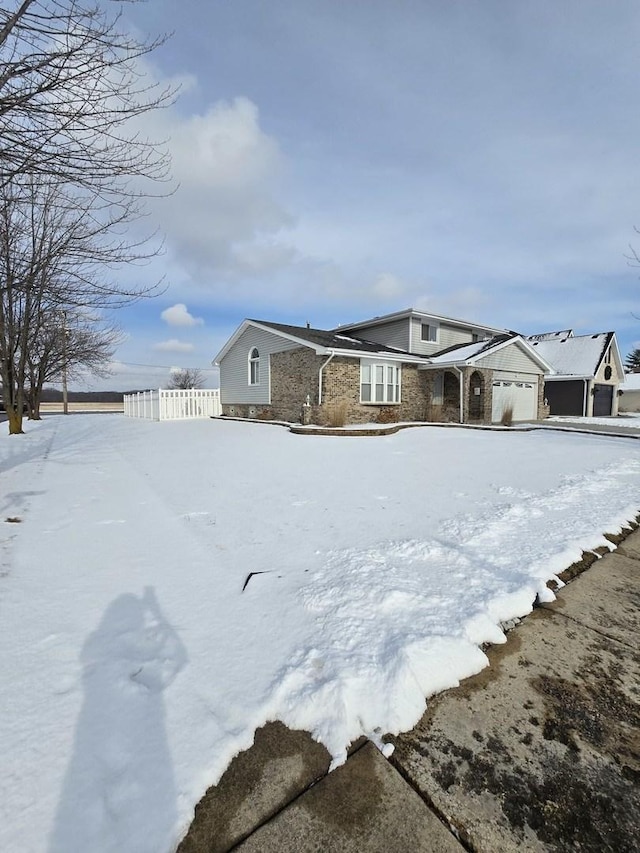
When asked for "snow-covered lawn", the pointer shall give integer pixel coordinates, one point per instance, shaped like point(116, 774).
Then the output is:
point(134, 665)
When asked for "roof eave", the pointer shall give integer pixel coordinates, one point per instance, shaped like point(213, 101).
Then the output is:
point(472, 360)
point(567, 376)
point(412, 312)
point(406, 357)
point(318, 348)
point(230, 342)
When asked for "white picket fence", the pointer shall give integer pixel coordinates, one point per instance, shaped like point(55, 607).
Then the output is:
point(173, 405)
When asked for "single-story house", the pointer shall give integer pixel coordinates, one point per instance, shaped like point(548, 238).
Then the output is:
point(587, 372)
point(630, 398)
point(405, 366)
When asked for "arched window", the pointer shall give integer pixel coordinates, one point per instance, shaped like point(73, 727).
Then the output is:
point(254, 367)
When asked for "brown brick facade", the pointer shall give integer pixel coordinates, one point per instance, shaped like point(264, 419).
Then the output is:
point(478, 395)
point(295, 377)
point(543, 409)
point(341, 385)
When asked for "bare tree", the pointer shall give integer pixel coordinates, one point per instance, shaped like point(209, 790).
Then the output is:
point(67, 344)
point(74, 172)
point(55, 252)
point(185, 378)
point(22, 286)
point(71, 81)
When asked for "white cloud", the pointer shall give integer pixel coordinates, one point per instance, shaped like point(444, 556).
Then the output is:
point(388, 286)
point(494, 190)
point(173, 345)
point(224, 215)
point(178, 315)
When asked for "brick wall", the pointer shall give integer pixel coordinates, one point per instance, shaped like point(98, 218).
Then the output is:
point(477, 408)
point(294, 375)
point(543, 410)
point(341, 385)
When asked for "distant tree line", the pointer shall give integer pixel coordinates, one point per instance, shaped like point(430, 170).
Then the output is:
point(74, 174)
point(53, 395)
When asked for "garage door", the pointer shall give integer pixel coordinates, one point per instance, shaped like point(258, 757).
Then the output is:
point(565, 397)
point(522, 397)
point(602, 400)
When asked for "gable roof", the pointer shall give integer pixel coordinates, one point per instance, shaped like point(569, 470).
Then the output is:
point(551, 336)
point(575, 355)
point(463, 352)
point(421, 315)
point(469, 354)
point(321, 341)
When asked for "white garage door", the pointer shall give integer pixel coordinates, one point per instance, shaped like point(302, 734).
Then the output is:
point(522, 397)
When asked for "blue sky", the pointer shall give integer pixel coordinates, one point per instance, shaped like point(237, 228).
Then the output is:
point(339, 160)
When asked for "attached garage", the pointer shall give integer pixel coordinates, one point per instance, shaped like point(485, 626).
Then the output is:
point(579, 397)
point(565, 396)
point(587, 370)
point(520, 397)
point(492, 377)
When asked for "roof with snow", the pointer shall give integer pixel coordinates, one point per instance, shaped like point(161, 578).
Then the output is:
point(472, 353)
point(551, 336)
point(464, 352)
point(631, 382)
point(578, 355)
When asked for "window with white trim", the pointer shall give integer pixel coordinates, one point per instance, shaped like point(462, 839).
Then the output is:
point(379, 382)
point(428, 333)
point(254, 366)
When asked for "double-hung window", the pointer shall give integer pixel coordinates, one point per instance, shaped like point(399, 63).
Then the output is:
point(379, 382)
point(254, 366)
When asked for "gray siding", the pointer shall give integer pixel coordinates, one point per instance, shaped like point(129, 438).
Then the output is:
point(515, 376)
point(448, 336)
point(511, 358)
point(395, 334)
point(234, 367)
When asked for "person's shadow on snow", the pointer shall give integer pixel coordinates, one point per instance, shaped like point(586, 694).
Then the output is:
point(118, 793)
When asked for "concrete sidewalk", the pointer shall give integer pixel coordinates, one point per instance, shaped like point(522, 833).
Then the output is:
point(539, 752)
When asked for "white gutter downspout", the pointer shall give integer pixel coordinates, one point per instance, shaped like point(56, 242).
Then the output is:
point(320, 376)
point(461, 375)
point(584, 398)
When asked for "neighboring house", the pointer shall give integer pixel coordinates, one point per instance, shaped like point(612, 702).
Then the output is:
point(587, 372)
point(406, 366)
point(630, 398)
